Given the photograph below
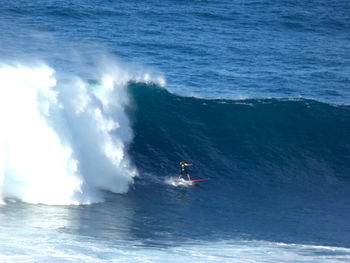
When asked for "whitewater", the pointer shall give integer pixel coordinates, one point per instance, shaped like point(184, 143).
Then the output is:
point(62, 142)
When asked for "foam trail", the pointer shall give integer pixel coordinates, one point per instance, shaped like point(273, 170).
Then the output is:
point(174, 181)
point(62, 143)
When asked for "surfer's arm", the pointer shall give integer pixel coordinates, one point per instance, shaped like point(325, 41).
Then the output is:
point(188, 164)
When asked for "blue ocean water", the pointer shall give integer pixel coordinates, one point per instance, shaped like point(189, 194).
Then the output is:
point(101, 100)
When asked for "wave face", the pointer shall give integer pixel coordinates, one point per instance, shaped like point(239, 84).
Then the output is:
point(272, 148)
point(279, 169)
point(62, 141)
point(292, 142)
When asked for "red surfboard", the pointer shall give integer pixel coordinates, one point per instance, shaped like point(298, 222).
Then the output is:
point(198, 180)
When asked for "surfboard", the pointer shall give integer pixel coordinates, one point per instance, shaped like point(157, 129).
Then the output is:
point(198, 180)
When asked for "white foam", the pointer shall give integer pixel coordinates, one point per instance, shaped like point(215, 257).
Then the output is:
point(68, 249)
point(62, 142)
point(174, 181)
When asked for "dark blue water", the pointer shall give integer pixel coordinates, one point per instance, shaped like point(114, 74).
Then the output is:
point(257, 98)
point(278, 167)
point(231, 49)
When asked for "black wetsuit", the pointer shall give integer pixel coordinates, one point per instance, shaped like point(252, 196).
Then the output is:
point(183, 169)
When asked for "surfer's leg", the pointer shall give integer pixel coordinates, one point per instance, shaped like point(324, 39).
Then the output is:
point(188, 176)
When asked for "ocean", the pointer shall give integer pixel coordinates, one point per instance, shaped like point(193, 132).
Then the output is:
point(101, 100)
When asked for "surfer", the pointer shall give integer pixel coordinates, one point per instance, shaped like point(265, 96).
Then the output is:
point(184, 171)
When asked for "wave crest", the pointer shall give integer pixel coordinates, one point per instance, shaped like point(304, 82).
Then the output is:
point(62, 141)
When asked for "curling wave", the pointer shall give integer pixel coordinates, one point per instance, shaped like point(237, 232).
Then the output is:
point(260, 145)
point(63, 141)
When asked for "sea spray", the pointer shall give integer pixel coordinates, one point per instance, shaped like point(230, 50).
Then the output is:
point(99, 131)
point(64, 141)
